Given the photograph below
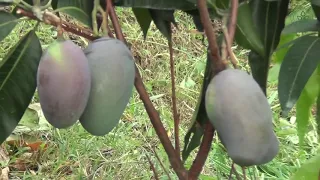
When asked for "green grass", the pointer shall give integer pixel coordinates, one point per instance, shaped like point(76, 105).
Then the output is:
point(75, 154)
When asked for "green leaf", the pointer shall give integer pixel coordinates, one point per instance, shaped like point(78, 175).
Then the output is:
point(163, 19)
point(298, 65)
point(259, 68)
point(196, 19)
point(199, 116)
point(304, 104)
point(246, 34)
point(304, 25)
point(18, 82)
point(316, 8)
point(158, 4)
point(285, 43)
point(268, 18)
point(301, 12)
point(7, 23)
point(309, 169)
point(79, 9)
point(144, 19)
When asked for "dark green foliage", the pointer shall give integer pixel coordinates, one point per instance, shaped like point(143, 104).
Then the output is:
point(144, 19)
point(7, 23)
point(269, 20)
point(113, 72)
point(64, 83)
point(298, 65)
point(242, 117)
point(18, 81)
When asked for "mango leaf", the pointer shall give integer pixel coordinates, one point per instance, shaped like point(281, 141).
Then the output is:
point(18, 82)
point(246, 34)
point(316, 8)
point(199, 116)
point(304, 25)
point(79, 9)
point(144, 19)
point(298, 65)
point(158, 4)
point(196, 19)
point(309, 169)
point(259, 68)
point(269, 19)
point(299, 13)
point(285, 43)
point(163, 19)
point(7, 23)
point(304, 104)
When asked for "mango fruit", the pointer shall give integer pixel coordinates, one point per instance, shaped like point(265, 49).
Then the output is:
point(242, 117)
point(64, 83)
point(113, 73)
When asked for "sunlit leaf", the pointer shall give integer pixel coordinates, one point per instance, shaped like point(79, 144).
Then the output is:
point(304, 104)
point(309, 169)
point(304, 25)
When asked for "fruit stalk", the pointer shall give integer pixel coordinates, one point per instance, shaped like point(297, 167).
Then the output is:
point(175, 160)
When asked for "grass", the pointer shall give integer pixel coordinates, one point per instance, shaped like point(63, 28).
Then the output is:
point(122, 154)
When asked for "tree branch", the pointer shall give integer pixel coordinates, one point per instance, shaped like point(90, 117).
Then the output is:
point(151, 111)
point(174, 102)
point(217, 64)
point(203, 152)
point(52, 19)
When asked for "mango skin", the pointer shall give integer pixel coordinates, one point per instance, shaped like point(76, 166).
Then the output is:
point(64, 83)
point(242, 117)
point(113, 73)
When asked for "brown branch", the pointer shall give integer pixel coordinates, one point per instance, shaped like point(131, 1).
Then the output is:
point(217, 64)
point(52, 19)
point(233, 20)
point(174, 102)
point(175, 160)
point(204, 150)
point(108, 4)
point(153, 168)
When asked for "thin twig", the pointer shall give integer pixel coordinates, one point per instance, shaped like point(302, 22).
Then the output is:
point(115, 21)
point(235, 171)
point(231, 171)
point(151, 111)
point(52, 19)
point(174, 102)
point(244, 173)
point(204, 150)
point(233, 58)
point(161, 164)
point(153, 168)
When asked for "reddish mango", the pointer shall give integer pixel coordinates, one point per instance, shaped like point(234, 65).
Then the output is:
point(64, 83)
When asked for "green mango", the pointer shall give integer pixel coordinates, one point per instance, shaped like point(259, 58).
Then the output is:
point(242, 117)
point(113, 73)
point(64, 83)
